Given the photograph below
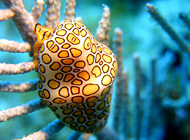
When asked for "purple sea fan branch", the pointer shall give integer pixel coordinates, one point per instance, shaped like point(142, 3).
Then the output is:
point(74, 136)
point(120, 83)
point(37, 9)
point(164, 24)
point(19, 87)
point(12, 46)
point(8, 69)
point(185, 18)
point(21, 110)
point(107, 134)
point(22, 19)
point(70, 9)
point(147, 120)
point(125, 115)
point(102, 32)
point(79, 19)
point(137, 98)
point(53, 13)
point(6, 14)
point(47, 132)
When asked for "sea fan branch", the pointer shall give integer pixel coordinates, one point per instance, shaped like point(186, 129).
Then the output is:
point(137, 98)
point(164, 24)
point(85, 136)
point(22, 19)
point(21, 110)
point(185, 18)
point(6, 14)
point(79, 19)
point(53, 13)
point(47, 132)
point(20, 87)
point(8, 69)
point(70, 9)
point(119, 93)
point(102, 33)
point(74, 136)
point(125, 125)
point(12, 46)
point(147, 120)
point(37, 9)
point(107, 134)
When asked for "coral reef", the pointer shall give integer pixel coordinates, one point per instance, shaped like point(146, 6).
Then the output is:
point(151, 93)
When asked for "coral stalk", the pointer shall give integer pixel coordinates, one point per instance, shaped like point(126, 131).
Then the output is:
point(9, 69)
point(22, 19)
point(153, 79)
point(37, 9)
point(125, 112)
point(164, 24)
point(47, 132)
point(79, 19)
point(107, 134)
point(21, 110)
point(150, 102)
point(12, 46)
point(102, 33)
point(85, 136)
point(120, 85)
point(185, 19)
point(70, 9)
point(137, 100)
point(53, 13)
point(19, 87)
point(74, 136)
point(6, 14)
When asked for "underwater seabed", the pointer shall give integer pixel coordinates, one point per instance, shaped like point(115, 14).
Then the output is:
point(151, 40)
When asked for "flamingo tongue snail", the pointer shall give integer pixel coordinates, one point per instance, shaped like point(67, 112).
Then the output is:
point(76, 75)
